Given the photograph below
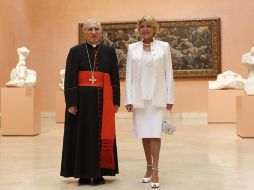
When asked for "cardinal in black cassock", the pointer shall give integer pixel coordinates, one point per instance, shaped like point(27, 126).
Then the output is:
point(92, 95)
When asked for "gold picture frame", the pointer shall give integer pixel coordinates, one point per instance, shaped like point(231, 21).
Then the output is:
point(195, 44)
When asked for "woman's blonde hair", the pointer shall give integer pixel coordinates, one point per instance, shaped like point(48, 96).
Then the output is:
point(150, 20)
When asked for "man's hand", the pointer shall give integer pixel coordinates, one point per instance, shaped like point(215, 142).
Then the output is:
point(73, 110)
point(116, 108)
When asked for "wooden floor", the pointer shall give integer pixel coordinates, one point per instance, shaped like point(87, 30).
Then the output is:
point(199, 156)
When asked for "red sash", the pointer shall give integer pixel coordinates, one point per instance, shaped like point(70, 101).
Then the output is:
point(108, 114)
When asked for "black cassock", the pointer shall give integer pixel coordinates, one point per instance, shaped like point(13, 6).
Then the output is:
point(82, 133)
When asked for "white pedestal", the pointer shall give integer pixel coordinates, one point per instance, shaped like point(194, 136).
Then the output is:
point(222, 105)
point(244, 116)
point(60, 106)
point(20, 115)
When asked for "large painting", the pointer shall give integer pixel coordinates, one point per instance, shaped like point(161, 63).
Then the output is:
point(195, 44)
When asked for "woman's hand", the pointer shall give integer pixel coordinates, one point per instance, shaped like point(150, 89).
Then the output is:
point(169, 107)
point(129, 107)
point(73, 110)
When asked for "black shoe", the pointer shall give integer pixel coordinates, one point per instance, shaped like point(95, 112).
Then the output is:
point(98, 181)
point(84, 181)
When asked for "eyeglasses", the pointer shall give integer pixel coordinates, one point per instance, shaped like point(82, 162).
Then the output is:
point(94, 29)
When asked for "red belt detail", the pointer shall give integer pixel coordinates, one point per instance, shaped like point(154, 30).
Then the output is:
point(108, 115)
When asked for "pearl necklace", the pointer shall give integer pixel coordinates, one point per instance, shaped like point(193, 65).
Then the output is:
point(145, 44)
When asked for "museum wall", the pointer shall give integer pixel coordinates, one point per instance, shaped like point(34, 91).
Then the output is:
point(14, 32)
point(50, 27)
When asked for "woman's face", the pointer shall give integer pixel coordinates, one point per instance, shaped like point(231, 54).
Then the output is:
point(93, 33)
point(146, 31)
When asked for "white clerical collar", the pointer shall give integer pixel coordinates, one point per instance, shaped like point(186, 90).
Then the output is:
point(93, 45)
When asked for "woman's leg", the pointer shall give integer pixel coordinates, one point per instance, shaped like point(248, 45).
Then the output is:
point(147, 150)
point(155, 145)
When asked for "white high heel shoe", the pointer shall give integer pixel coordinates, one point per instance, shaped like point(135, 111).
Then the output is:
point(157, 184)
point(146, 179)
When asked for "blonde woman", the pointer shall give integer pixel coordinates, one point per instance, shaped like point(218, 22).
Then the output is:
point(149, 90)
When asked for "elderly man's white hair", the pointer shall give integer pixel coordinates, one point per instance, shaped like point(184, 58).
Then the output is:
point(89, 22)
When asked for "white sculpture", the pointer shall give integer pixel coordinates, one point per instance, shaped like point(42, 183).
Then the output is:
point(227, 80)
point(248, 61)
point(62, 75)
point(21, 76)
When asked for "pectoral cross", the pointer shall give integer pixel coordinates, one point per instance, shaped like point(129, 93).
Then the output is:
point(92, 80)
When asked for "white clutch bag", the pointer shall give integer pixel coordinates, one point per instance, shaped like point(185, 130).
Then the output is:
point(168, 128)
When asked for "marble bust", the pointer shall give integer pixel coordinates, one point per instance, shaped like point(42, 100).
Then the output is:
point(248, 62)
point(20, 76)
point(62, 75)
point(227, 80)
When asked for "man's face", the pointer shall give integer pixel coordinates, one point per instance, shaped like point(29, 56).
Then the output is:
point(93, 33)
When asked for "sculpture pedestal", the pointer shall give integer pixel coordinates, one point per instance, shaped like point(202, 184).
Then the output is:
point(244, 116)
point(60, 107)
point(20, 115)
point(222, 105)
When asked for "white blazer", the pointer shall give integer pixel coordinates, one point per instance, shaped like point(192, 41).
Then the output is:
point(163, 89)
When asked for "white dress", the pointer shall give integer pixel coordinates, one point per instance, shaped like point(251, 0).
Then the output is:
point(147, 121)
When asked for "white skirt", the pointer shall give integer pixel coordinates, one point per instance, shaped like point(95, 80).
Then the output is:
point(147, 121)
